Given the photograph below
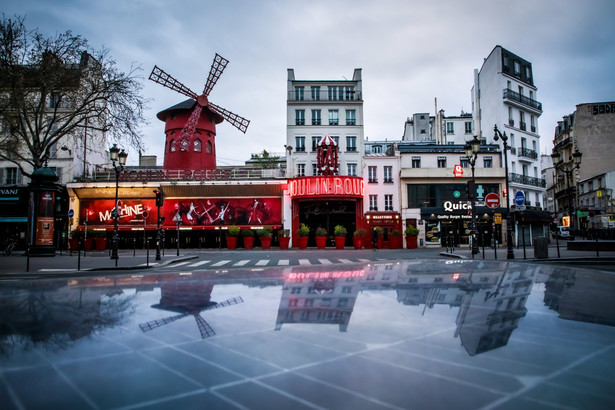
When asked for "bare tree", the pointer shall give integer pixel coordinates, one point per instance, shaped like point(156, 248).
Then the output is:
point(54, 87)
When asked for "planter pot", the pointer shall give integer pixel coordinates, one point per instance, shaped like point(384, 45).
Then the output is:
point(395, 242)
point(340, 241)
point(73, 244)
point(357, 242)
point(89, 244)
point(101, 244)
point(265, 242)
point(321, 242)
point(300, 241)
point(248, 242)
point(411, 242)
point(231, 242)
point(284, 241)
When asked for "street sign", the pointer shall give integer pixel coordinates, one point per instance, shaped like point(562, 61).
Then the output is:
point(71, 213)
point(458, 171)
point(497, 219)
point(519, 198)
point(456, 194)
point(492, 200)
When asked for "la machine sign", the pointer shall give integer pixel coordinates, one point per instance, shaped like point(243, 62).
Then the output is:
point(326, 186)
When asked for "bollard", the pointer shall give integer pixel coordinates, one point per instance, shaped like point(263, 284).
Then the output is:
point(557, 246)
point(597, 250)
point(134, 247)
point(79, 254)
point(28, 258)
point(495, 248)
point(147, 258)
point(483, 239)
point(523, 237)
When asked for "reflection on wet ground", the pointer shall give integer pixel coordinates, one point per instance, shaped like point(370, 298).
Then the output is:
point(412, 334)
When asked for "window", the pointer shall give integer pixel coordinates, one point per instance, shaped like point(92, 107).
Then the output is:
point(416, 162)
point(464, 161)
point(520, 90)
point(468, 127)
point(209, 147)
point(388, 202)
point(376, 149)
point(316, 117)
point(346, 289)
point(340, 93)
point(517, 68)
point(371, 174)
point(295, 291)
point(53, 151)
point(351, 117)
point(315, 93)
point(533, 123)
point(184, 145)
point(315, 141)
point(522, 120)
point(336, 139)
point(172, 147)
point(487, 162)
point(352, 170)
point(508, 84)
point(388, 174)
point(511, 121)
point(12, 176)
point(301, 170)
point(299, 93)
point(441, 162)
point(450, 127)
point(334, 117)
point(373, 202)
point(300, 144)
point(54, 100)
point(299, 117)
point(197, 145)
point(351, 144)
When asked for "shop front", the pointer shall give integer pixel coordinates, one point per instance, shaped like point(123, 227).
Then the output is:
point(325, 202)
point(390, 222)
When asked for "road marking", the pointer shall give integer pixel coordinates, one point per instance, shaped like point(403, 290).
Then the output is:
point(325, 261)
point(179, 264)
point(304, 262)
point(283, 262)
point(194, 265)
point(220, 263)
point(364, 260)
point(150, 264)
point(345, 260)
point(57, 270)
point(242, 262)
point(262, 262)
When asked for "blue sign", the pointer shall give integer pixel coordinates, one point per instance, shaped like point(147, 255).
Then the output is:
point(519, 198)
point(71, 213)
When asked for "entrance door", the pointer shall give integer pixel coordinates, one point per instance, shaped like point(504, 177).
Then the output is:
point(328, 214)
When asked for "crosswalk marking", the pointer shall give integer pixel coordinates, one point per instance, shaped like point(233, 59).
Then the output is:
point(180, 264)
point(57, 270)
point(345, 260)
point(364, 260)
point(325, 261)
point(220, 263)
point(283, 262)
point(262, 262)
point(304, 262)
point(241, 263)
point(194, 265)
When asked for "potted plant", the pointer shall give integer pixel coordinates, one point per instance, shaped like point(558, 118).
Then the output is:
point(248, 238)
point(284, 238)
point(232, 234)
point(73, 241)
point(339, 232)
point(357, 238)
point(264, 235)
point(411, 234)
point(89, 240)
point(302, 236)
point(321, 237)
point(395, 239)
point(100, 239)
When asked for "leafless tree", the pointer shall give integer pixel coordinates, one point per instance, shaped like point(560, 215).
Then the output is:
point(56, 87)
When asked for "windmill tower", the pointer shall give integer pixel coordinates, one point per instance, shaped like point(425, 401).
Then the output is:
point(190, 126)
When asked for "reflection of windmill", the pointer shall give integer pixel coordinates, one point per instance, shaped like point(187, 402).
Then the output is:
point(190, 141)
point(188, 298)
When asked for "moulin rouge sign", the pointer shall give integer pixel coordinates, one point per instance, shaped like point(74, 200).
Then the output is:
point(326, 186)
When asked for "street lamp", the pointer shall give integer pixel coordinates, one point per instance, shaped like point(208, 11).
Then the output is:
point(118, 159)
point(575, 158)
point(472, 148)
point(510, 254)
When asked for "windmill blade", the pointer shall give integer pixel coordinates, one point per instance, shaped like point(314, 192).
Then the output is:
point(159, 76)
point(225, 303)
point(235, 120)
point(146, 327)
point(217, 67)
point(190, 127)
point(204, 328)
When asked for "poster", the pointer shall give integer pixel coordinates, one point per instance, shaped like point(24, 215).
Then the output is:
point(432, 233)
point(223, 211)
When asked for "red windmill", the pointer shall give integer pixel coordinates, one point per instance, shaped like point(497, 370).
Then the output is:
point(191, 125)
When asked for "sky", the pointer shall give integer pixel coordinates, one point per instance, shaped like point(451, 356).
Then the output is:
point(410, 52)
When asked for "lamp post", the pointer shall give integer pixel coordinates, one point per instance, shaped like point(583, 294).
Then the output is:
point(575, 160)
point(472, 148)
point(510, 254)
point(118, 159)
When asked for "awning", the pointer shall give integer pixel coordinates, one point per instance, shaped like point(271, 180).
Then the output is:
point(530, 215)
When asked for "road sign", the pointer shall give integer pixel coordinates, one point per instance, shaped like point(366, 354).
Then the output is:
point(492, 200)
point(519, 198)
point(497, 219)
point(456, 194)
point(71, 213)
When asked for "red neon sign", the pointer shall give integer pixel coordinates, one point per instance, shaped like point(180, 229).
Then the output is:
point(458, 171)
point(326, 186)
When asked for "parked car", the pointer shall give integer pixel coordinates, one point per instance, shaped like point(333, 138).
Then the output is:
point(563, 232)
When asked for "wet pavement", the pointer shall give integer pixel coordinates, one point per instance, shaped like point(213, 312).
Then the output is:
point(408, 333)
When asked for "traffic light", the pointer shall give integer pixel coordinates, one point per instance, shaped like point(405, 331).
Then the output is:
point(159, 197)
point(471, 189)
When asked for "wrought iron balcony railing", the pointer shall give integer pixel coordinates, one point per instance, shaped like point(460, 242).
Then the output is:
point(514, 96)
point(528, 153)
point(527, 180)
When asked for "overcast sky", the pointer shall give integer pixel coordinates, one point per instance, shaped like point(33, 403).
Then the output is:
point(410, 51)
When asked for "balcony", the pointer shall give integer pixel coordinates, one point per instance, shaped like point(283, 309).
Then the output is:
point(318, 97)
point(528, 153)
point(526, 180)
point(525, 101)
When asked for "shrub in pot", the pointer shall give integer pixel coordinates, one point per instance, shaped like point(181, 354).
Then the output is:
point(232, 234)
point(284, 238)
point(340, 236)
point(321, 237)
point(302, 236)
point(396, 239)
point(411, 237)
point(248, 238)
point(265, 236)
point(357, 238)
